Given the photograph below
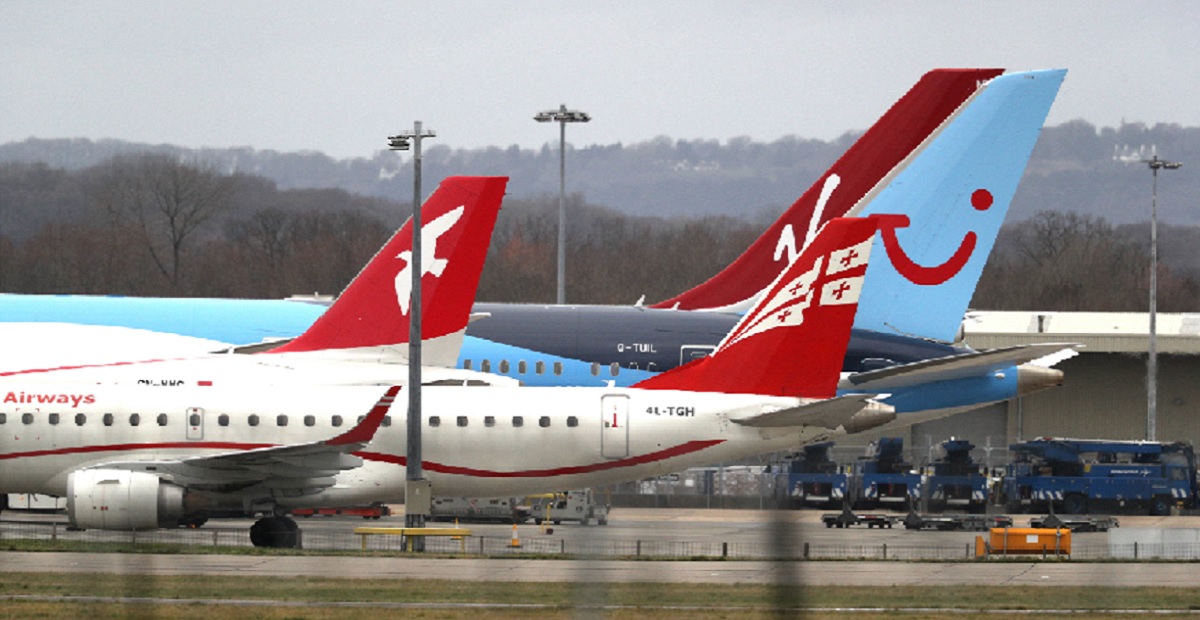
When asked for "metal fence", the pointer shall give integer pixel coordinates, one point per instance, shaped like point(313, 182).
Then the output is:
point(57, 535)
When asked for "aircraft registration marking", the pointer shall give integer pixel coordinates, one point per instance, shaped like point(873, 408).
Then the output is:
point(683, 412)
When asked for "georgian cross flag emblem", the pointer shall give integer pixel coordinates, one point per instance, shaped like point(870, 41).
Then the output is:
point(430, 263)
point(825, 284)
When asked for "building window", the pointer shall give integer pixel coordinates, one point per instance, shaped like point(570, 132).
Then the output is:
point(337, 421)
point(161, 419)
point(435, 421)
point(310, 420)
point(544, 421)
point(572, 421)
point(462, 421)
point(518, 421)
point(252, 420)
point(53, 419)
point(223, 419)
point(489, 421)
point(135, 419)
point(281, 420)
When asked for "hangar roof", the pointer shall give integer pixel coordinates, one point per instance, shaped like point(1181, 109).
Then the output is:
point(1100, 332)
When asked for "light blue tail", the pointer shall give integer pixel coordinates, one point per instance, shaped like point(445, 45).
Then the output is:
point(941, 214)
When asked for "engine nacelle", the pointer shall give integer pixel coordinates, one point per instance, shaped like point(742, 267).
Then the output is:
point(115, 499)
point(875, 414)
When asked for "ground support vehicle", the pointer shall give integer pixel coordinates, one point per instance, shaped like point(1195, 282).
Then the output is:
point(33, 502)
point(374, 511)
point(479, 510)
point(883, 478)
point(1076, 523)
point(953, 522)
point(955, 480)
point(813, 479)
point(848, 519)
point(580, 505)
point(1077, 476)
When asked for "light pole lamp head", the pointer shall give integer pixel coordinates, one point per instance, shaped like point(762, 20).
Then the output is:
point(562, 115)
point(1155, 164)
point(398, 143)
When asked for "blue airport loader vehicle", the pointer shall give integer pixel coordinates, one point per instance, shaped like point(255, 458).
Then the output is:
point(1078, 476)
point(956, 481)
point(882, 478)
point(814, 479)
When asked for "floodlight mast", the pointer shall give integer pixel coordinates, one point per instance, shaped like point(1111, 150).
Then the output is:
point(414, 474)
point(562, 116)
point(1155, 165)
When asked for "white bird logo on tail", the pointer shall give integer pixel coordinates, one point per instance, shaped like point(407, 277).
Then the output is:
point(430, 263)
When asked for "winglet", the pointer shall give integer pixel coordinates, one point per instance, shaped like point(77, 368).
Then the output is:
point(903, 129)
point(791, 343)
point(372, 313)
point(364, 431)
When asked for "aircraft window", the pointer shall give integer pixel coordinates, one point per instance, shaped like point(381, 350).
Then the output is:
point(485, 366)
point(540, 367)
point(53, 419)
point(135, 419)
point(462, 421)
point(572, 421)
point(223, 419)
point(361, 418)
point(504, 367)
point(518, 421)
point(522, 367)
point(544, 422)
point(466, 364)
point(281, 420)
point(80, 419)
point(651, 365)
point(161, 419)
point(435, 421)
point(26, 418)
point(557, 368)
point(3, 418)
point(252, 420)
point(194, 419)
point(614, 368)
point(337, 420)
point(595, 369)
point(310, 420)
point(387, 421)
point(489, 421)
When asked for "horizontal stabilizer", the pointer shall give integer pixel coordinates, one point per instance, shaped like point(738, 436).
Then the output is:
point(844, 411)
point(951, 367)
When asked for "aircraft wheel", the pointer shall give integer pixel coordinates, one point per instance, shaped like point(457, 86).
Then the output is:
point(276, 532)
point(1160, 506)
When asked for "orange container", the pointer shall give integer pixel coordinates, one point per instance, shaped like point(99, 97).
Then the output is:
point(1028, 541)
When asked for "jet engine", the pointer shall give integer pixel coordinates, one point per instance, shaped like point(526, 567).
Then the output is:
point(115, 499)
point(873, 415)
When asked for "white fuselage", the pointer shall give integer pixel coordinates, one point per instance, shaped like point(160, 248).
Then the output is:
point(476, 440)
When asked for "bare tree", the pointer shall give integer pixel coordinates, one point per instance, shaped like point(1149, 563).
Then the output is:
point(164, 203)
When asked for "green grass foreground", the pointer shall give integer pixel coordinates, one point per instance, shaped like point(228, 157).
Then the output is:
point(496, 600)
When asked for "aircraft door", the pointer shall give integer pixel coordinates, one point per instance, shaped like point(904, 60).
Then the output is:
point(195, 423)
point(614, 427)
point(692, 352)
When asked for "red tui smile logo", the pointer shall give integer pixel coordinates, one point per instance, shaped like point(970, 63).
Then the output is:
point(981, 199)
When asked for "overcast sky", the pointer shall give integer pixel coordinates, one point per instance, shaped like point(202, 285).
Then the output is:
point(338, 77)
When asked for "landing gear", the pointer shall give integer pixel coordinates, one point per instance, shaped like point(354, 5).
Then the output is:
point(277, 532)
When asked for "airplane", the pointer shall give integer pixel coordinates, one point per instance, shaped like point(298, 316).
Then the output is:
point(130, 458)
point(975, 122)
point(360, 339)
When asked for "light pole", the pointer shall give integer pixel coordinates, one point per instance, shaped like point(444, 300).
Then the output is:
point(563, 116)
point(417, 500)
point(1152, 359)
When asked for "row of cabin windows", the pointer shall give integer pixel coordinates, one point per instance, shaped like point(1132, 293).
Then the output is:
point(539, 367)
point(490, 421)
point(135, 419)
point(162, 419)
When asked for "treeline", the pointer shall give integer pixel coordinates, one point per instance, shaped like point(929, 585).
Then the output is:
point(155, 225)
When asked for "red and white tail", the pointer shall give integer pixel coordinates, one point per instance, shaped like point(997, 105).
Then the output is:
point(791, 343)
point(371, 316)
point(910, 123)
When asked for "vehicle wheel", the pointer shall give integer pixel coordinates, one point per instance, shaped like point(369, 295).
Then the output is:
point(1075, 504)
point(601, 521)
point(537, 521)
point(1160, 506)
